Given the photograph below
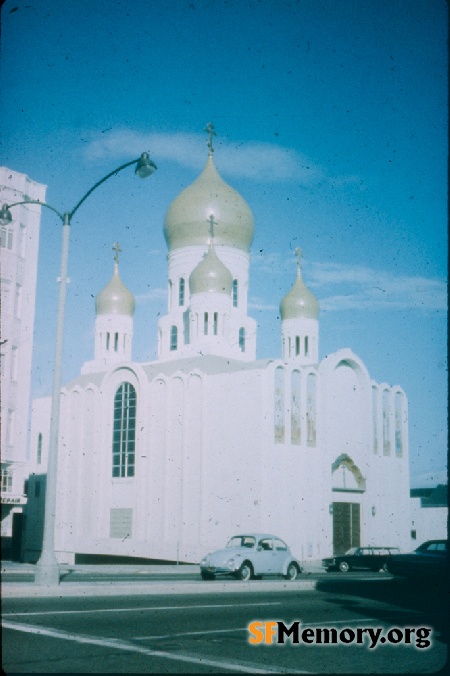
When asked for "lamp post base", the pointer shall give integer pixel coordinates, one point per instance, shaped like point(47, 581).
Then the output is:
point(47, 571)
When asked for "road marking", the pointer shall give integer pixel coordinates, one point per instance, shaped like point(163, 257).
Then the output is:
point(139, 609)
point(328, 623)
point(123, 645)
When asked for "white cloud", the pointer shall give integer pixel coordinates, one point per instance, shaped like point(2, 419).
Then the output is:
point(363, 288)
point(264, 162)
point(149, 296)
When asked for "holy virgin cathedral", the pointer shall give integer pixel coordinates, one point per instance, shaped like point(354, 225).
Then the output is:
point(168, 459)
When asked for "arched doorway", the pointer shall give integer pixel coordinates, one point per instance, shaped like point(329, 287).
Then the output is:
point(347, 484)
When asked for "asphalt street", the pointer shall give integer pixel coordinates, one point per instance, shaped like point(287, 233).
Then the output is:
point(189, 626)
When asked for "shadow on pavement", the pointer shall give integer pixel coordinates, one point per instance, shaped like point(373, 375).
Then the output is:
point(417, 601)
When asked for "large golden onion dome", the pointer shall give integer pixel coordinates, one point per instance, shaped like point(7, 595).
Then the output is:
point(210, 275)
point(186, 221)
point(115, 298)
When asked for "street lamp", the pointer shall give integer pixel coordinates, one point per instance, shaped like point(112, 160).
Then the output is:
point(47, 568)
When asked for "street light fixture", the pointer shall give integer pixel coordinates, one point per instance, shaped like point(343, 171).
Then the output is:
point(47, 568)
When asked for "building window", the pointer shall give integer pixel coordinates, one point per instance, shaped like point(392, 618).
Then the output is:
point(205, 323)
point(124, 432)
point(7, 238)
point(297, 346)
point(386, 424)
point(39, 449)
point(306, 346)
point(235, 292)
point(116, 342)
point(311, 409)
point(398, 424)
point(14, 354)
point(6, 480)
point(295, 408)
point(173, 338)
point(375, 419)
point(18, 301)
point(279, 405)
point(181, 292)
point(242, 339)
point(216, 322)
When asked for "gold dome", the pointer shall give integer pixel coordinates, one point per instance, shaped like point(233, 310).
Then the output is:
point(115, 298)
point(186, 221)
point(299, 302)
point(210, 275)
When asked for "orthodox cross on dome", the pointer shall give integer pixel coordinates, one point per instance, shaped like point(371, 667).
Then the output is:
point(299, 255)
point(212, 223)
point(118, 250)
point(210, 129)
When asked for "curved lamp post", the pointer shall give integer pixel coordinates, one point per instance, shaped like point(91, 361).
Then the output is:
point(47, 568)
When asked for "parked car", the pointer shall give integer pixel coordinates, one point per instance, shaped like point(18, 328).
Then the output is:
point(430, 559)
point(361, 558)
point(251, 556)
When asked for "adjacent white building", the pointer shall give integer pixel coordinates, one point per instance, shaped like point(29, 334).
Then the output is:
point(19, 256)
point(166, 460)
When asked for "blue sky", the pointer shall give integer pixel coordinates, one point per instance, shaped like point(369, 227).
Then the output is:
point(331, 119)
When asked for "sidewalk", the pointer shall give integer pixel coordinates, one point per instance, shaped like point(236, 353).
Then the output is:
point(103, 587)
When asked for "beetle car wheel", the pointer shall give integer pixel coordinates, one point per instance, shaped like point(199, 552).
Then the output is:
point(245, 572)
point(292, 572)
point(344, 567)
point(207, 576)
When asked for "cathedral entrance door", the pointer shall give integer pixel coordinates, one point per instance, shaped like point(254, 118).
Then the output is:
point(346, 526)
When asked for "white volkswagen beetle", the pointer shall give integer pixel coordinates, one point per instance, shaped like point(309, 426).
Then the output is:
point(250, 556)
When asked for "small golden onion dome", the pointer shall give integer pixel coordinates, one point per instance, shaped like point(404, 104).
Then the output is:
point(115, 298)
point(210, 275)
point(186, 220)
point(299, 302)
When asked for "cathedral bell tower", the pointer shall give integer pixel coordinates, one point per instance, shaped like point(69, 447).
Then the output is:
point(114, 309)
point(209, 229)
point(299, 311)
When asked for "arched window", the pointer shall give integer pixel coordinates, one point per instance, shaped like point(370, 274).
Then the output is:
point(39, 449)
point(124, 431)
point(173, 338)
point(235, 292)
point(181, 292)
point(242, 339)
point(297, 346)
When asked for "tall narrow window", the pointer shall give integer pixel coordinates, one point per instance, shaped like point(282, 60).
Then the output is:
point(116, 342)
point(386, 423)
point(279, 405)
point(173, 338)
point(398, 424)
point(306, 346)
point(242, 339)
point(295, 408)
point(375, 419)
point(205, 323)
point(124, 431)
point(311, 409)
point(181, 292)
point(39, 449)
point(107, 341)
point(235, 292)
point(216, 322)
point(297, 345)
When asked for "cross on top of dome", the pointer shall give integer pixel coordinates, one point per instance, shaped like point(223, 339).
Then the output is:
point(210, 129)
point(118, 250)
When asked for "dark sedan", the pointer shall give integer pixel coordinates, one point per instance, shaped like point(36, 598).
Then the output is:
point(361, 558)
point(430, 559)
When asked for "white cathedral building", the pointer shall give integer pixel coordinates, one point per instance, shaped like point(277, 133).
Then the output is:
point(166, 460)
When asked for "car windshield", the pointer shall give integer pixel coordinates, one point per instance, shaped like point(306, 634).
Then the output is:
point(242, 541)
point(352, 551)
